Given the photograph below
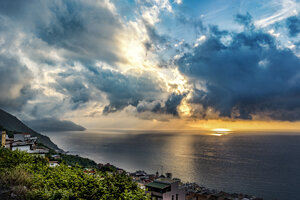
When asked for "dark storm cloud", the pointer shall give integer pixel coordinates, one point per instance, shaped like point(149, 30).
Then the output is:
point(293, 25)
point(46, 109)
point(120, 90)
point(242, 76)
point(73, 87)
point(155, 38)
point(84, 28)
point(15, 87)
point(25, 11)
point(196, 23)
point(123, 90)
point(249, 75)
point(53, 124)
point(15, 77)
point(167, 107)
point(154, 106)
point(84, 31)
point(245, 20)
point(76, 30)
point(171, 104)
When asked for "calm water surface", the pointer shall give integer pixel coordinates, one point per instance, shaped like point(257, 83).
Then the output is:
point(266, 165)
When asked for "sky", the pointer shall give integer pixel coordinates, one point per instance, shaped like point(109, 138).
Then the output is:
point(151, 64)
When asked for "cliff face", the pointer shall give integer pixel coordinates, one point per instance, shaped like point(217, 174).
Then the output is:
point(12, 123)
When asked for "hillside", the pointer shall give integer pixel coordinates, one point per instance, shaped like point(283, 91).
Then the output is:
point(12, 123)
point(23, 176)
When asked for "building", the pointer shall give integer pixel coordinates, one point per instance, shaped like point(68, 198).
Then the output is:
point(3, 139)
point(21, 146)
point(89, 171)
point(53, 163)
point(23, 142)
point(39, 152)
point(55, 157)
point(166, 189)
point(27, 136)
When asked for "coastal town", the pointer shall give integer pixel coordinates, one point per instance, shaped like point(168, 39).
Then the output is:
point(23, 142)
point(160, 186)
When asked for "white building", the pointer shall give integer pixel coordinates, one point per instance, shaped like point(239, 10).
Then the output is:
point(39, 152)
point(21, 147)
point(53, 163)
point(166, 189)
point(20, 137)
point(27, 136)
point(24, 142)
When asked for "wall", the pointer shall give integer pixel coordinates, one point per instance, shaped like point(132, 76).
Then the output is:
point(174, 190)
point(22, 148)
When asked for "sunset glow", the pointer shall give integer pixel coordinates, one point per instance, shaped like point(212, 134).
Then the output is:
point(221, 130)
point(196, 91)
point(103, 65)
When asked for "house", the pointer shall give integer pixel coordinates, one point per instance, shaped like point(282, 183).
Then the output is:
point(21, 146)
point(39, 152)
point(19, 137)
point(55, 157)
point(23, 142)
point(27, 136)
point(53, 163)
point(89, 171)
point(165, 189)
point(8, 142)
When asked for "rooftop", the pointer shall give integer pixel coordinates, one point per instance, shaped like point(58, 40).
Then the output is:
point(39, 151)
point(158, 185)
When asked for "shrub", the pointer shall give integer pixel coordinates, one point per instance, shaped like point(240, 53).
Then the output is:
point(30, 177)
point(15, 177)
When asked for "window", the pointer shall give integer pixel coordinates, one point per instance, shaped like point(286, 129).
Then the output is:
point(176, 196)
point(172, 197)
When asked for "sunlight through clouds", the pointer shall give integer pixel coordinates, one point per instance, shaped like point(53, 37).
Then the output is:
point(151, 60)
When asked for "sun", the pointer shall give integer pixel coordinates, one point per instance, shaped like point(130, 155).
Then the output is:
point(221, 130)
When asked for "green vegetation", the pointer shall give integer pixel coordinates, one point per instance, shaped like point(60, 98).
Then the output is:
point(77, 160)
point(110, 168)
point(72, 160)
point(30, 177)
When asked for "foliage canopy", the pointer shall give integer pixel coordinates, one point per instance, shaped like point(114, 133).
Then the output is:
point(30, 177)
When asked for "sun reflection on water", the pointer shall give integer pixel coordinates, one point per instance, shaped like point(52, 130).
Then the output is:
point(220, 132)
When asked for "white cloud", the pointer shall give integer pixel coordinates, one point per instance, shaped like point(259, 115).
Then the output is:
point(286, 8)
point(178, 1)
point(272, 32)
point(200, 40)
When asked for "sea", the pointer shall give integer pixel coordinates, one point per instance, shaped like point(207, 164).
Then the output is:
point(263, 164)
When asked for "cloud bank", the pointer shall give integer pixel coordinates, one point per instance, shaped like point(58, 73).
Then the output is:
point(248, 76)
point(60, 59)
point(293, 25)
